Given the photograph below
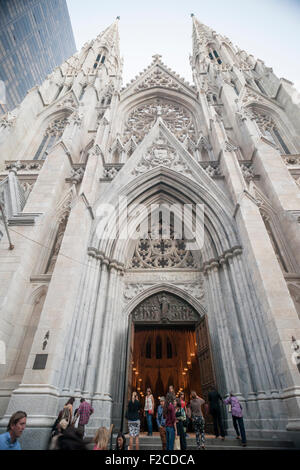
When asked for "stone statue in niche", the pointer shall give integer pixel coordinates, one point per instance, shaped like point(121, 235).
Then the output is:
point(164, 308)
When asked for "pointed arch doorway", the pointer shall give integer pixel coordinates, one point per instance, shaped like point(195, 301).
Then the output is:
point(169, 344)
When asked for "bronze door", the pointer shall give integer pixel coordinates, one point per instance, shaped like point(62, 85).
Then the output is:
point(207, 374)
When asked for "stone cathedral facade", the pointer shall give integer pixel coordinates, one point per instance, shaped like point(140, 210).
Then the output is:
point(89, 315)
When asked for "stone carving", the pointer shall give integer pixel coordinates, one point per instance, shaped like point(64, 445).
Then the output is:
point(77, 175)
point(158, 78)
point(132, 290)
point(56, 127)
point(162, 253)
point(111, 170)
point(75, 118)
point(27, 187)
point(248, 171)
point(213, 170)
point(250, 96)
point(8, 120)
point(291, 159)
point(24, 165)
point(164, 308)
point(142, 119)
point(193, 288)
point(229, 147)
point(68, 102)
point(161, 154)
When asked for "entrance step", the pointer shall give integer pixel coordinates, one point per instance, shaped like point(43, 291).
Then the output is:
point(230, 443)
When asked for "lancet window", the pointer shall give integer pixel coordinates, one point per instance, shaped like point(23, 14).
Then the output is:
point(51, 135)
point(269, 129)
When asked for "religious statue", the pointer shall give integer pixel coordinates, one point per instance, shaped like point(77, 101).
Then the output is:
point(164, 308)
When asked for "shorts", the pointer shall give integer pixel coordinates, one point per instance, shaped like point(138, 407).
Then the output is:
point(134, 428)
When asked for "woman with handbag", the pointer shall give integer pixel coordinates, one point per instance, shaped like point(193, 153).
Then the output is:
point(149, 410)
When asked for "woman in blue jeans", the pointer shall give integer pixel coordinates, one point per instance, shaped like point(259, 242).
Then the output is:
point(237, 417)
point(149, 410)
point(170, 417)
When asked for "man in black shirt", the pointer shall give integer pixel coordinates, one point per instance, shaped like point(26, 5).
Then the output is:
point(214, 408)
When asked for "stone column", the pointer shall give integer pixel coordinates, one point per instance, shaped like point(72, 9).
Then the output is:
point(218, 310)
point(97, 329)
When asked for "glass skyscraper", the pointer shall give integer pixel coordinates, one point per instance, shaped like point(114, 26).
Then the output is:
point(35, 37)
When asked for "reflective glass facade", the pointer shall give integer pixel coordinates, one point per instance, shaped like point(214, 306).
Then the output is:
point(35, 37)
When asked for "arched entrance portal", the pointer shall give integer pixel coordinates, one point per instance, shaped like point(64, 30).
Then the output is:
point(169, 345)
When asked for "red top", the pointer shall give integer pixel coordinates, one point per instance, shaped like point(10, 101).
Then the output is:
point(170, 418)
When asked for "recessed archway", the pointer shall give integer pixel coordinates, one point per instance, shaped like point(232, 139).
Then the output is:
point(169, 345)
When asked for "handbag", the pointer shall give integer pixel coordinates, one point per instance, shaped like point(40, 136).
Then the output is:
point(177, 443)
point(150, 411)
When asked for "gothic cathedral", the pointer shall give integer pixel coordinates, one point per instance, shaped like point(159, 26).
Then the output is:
point(94, 316)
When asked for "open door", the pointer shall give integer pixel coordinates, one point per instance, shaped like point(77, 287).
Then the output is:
point(128, 374)
point(207, 374)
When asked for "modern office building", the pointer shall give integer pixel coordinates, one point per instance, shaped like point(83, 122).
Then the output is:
point(35, 37)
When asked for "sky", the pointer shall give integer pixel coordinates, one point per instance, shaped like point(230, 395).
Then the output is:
point(268, 29)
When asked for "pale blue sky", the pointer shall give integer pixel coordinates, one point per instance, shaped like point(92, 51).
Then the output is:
point(268, 29)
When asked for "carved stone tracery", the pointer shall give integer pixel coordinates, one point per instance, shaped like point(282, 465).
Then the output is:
point(142, 119)
point(56, 127)
point(162, 253)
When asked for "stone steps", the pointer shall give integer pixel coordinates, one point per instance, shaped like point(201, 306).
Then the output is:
point(230, 443)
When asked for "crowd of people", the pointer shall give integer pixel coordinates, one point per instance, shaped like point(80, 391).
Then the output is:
point(173, 416)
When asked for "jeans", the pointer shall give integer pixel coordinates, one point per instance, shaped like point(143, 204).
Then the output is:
point(239, 421)
point(149, 422)
point(170, 437)
point(218, 425)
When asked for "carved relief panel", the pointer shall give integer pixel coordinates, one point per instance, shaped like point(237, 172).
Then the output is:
point(164, 308)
